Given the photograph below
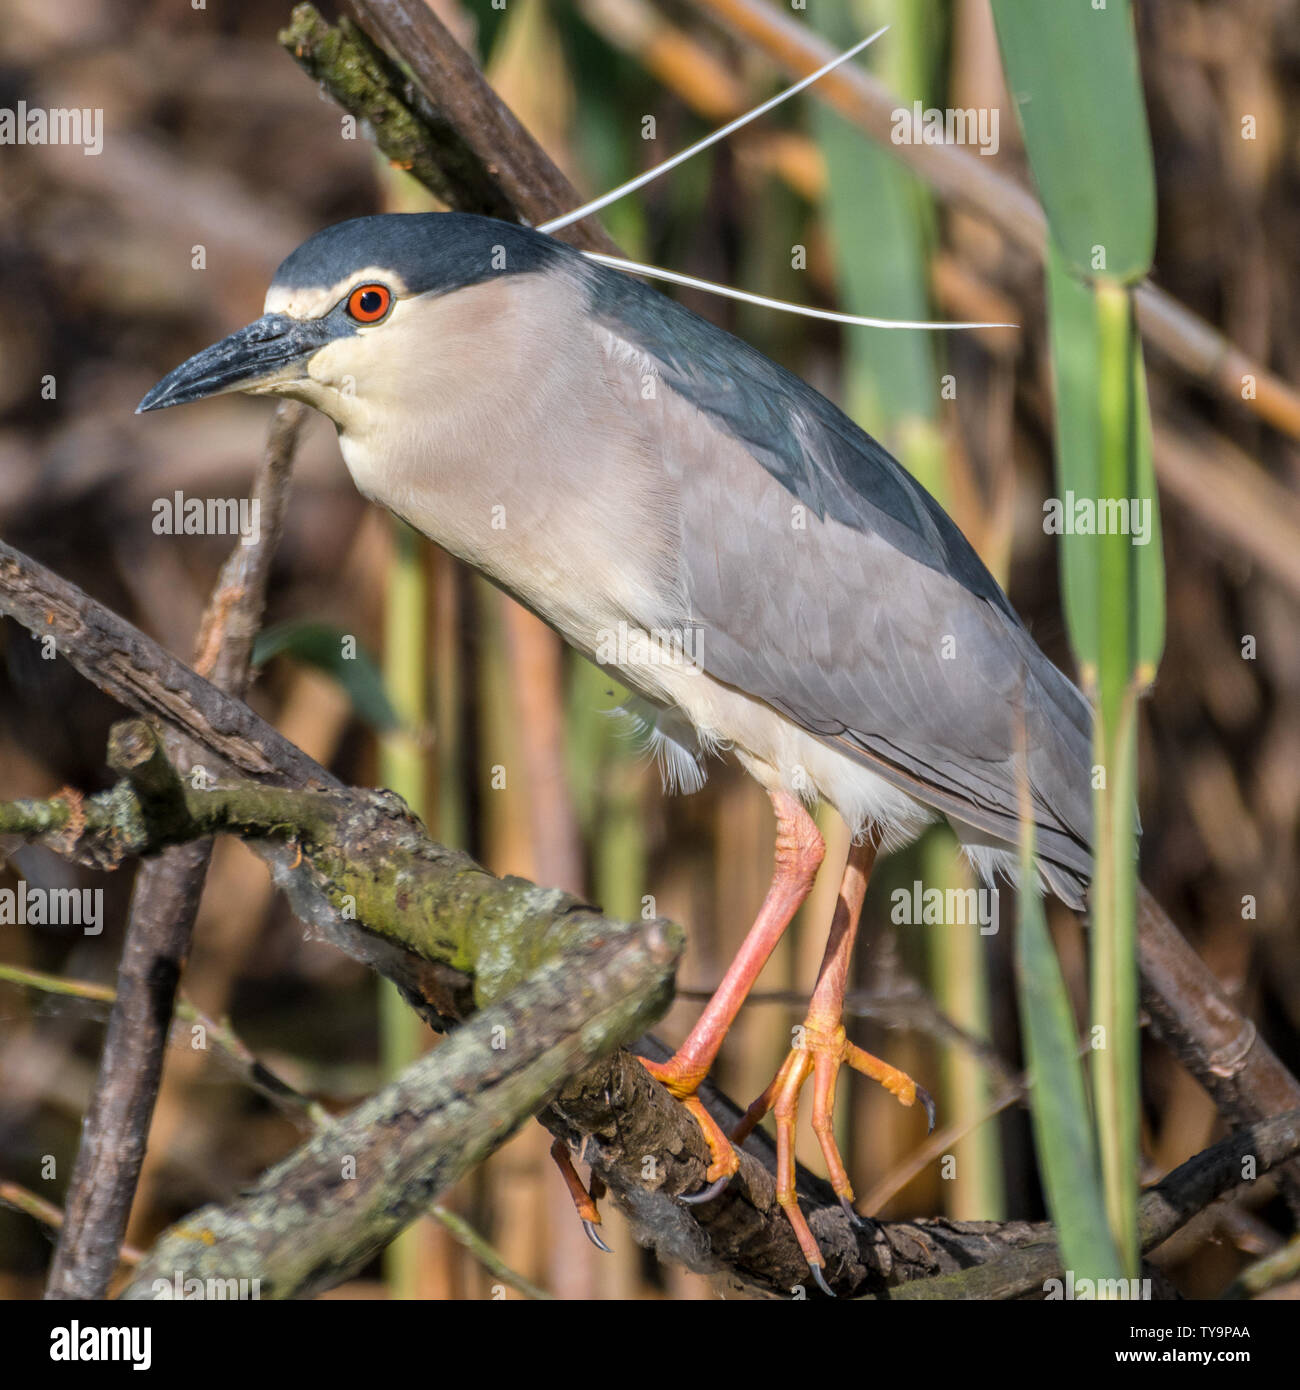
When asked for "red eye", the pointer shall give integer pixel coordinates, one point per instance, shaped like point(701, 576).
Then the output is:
point(369, 303)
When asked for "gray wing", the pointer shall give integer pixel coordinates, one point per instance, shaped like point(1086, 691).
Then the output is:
point(873, 624)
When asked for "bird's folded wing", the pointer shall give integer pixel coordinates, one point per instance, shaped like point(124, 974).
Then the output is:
point(825, 581)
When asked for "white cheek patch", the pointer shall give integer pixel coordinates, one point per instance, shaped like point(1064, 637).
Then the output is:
point(335, 363)
point(315, 301)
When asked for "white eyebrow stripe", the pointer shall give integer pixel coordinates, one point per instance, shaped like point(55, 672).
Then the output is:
point(315, 301)
point(654, 272)
point(558, 223)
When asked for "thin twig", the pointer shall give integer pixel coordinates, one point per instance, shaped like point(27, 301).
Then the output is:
point(247, 1067)
point(56, 984)
point(464, 1234)
point(21, 1199)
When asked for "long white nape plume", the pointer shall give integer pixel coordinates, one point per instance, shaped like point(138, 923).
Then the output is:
point(726, 291)
point(655, 272)
point(557, 223)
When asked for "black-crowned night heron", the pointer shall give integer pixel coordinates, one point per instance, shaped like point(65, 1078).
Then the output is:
point(755, 567)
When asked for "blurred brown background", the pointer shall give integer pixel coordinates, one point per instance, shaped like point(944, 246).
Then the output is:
point(214, 139)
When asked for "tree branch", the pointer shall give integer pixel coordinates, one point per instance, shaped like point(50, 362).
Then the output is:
point(369, 86)
point(322, 1213)
point(1162, 1211)
point(433, 115)
point(125, 664)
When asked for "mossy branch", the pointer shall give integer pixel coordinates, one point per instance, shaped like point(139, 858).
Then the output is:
point(432, 114)
point(321, 1214)
point(348, 856)
point(371, 88)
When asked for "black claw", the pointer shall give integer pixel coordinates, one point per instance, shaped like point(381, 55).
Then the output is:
point(821, 1281)
point(714, 1189)
point(593, 1235)
point(927, 1100)
point(851, 1214)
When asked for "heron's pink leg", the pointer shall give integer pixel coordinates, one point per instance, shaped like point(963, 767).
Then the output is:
point(799, 853)
point(820, 1049)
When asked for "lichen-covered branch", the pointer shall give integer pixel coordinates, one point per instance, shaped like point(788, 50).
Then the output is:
point(353, 862)
point(359, 866)
point(430, 111)
point(613, 1109)
point(320, 1215)
point(368, 85)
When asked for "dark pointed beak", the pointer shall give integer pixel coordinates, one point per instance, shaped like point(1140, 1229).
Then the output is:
point(273, 349)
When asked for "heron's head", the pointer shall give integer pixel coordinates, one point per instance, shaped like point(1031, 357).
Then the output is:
point(358, 316)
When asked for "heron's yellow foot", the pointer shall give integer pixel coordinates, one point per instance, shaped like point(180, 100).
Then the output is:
point(584, 1199)
point(819, 1052)
point(682, 1081)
